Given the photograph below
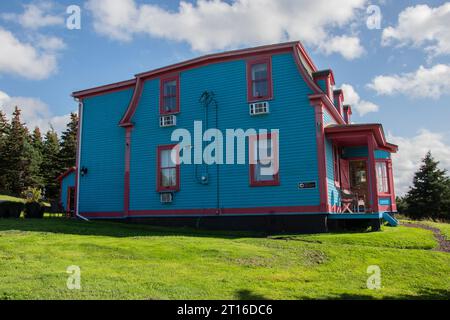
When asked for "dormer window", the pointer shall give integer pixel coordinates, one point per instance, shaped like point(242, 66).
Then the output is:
point(339, 101)
point(170, 96)
point(259, 73)
point(325, 80)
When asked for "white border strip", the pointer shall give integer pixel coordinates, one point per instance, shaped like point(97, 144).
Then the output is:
point(80, 132)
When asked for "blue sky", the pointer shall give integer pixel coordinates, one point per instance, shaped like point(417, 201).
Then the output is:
point(43, 61)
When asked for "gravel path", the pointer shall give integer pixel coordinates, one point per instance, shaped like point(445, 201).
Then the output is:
point(444, 244)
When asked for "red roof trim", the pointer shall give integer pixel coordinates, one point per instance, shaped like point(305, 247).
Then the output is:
point(138, 82)
point(218, 57)
point(302, 50)
point(126, 120)
point(205, 60)
point(65, 174)
point(323, 74)
point(104, 89)
point(376, 129)
point(329, 105)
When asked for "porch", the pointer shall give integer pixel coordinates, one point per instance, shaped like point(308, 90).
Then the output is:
point(362, 183)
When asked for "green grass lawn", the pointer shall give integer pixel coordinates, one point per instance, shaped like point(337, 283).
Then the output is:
point(15, 199)
point(443, 227)
point(120, 261)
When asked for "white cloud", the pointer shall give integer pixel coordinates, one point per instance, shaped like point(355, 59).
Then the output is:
point(35, 113)
point(352, 98)
point(36, 16)
point(422, 26)
point(423, 83)
point(26, 60)
point(349, 47)
point(215, 25)
point(50, 43)
point(412, 151)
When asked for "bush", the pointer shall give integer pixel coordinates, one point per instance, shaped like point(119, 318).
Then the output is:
point(32, 194)
point(11, 209)
point(33, 210)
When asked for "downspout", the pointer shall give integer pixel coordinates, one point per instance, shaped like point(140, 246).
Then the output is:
point(209, 100)
point(80, 128)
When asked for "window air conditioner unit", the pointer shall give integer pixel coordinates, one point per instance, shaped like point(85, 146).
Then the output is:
point(168, 121)
point(259, 108)
point(166, 197)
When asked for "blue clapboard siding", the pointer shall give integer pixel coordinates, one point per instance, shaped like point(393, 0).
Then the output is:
point(323, 85)
point(333, 192)
point(381, 154)
point(103, 152)
point(357, 152)
point(290, 111)
point(68, 181)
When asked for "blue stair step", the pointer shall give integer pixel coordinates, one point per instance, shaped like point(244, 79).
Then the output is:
point(390, 219)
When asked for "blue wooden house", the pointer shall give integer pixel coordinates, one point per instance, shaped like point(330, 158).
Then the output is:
point(328, 169)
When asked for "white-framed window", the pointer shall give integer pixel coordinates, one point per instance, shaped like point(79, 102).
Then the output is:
point(168, 171)
point(382, 177)
point(264, 165)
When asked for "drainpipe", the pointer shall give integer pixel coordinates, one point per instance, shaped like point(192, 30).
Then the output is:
point(80, 128)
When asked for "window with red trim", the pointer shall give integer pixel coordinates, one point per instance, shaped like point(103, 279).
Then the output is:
point(259, 74)
point(336, 165)
point(382, 177)
point(264, 164)
point(170, 95)
point(168, 171)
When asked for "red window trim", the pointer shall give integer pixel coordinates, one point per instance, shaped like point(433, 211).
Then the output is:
point(388, 177)
point(161, 94)
point(253, 182)
point(250, 64)
point(159, 188)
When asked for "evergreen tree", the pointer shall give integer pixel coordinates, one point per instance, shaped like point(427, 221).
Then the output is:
point(68, 150)
point(429, 197)
point(36, 151)
point(4, 133)
point(36, 140)
point(401, 205)
point(50, 168)
point(17, 162)
point(4, 125)
point(32, 160)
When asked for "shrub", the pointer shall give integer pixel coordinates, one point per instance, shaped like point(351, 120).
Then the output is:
point(11, 209)
point(32, 194)
point(33, 210)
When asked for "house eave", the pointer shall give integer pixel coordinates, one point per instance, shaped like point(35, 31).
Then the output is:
point(375, 129)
